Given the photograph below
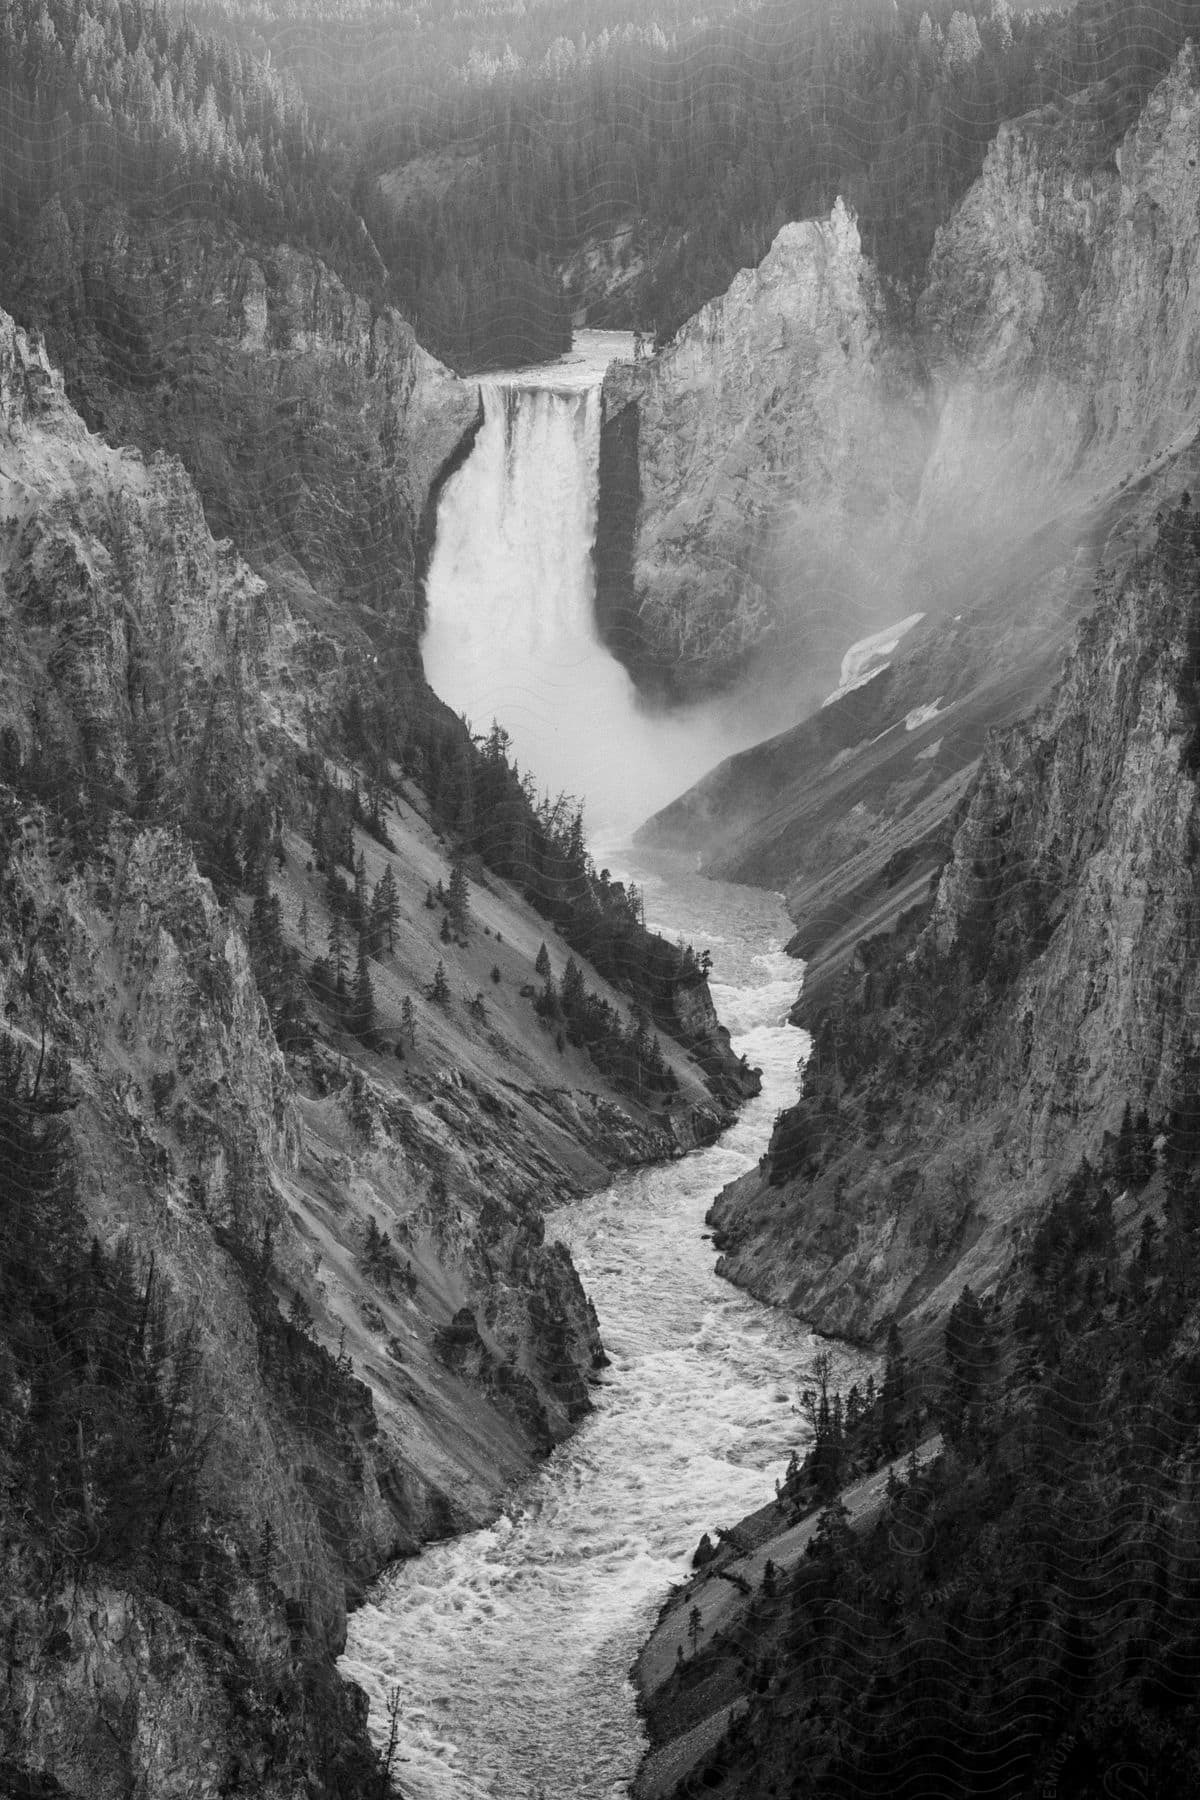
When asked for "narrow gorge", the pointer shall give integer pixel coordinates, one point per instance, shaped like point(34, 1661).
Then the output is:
point(599, 959)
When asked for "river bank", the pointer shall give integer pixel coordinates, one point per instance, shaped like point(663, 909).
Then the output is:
point(693, 1675)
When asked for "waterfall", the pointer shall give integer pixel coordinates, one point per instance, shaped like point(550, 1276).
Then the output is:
point(511, 596)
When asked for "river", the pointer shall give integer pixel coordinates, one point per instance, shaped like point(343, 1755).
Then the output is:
point(509, 1649)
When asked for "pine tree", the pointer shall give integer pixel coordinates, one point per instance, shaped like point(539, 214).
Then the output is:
point(408, 1022)
point(440, 988)
point(571, 991)
point(1124, 1154)
point(542, 965)
point(1145, 1159)
point(458, 895)
point(832, 1539)
point(968, 1342)
point(339, 966)
point(300, 1313)
point(362, 1007)
point(892, 1398)
point(825, 1416)
point(385, 910)
point(361, 909)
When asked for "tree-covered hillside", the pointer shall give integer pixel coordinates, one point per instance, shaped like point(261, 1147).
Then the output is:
point(494, 173)
point(628, 167)
point(1023, 1615)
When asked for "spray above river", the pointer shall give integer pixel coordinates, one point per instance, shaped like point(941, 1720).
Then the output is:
point(511, 602)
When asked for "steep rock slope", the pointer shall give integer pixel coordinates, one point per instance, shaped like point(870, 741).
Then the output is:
point(1059, 303)
point(758, 460)
point(966, 1065)
point(319, 1292)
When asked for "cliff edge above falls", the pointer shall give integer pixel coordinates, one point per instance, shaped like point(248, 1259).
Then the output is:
point(746, 463)
point(966, 1064)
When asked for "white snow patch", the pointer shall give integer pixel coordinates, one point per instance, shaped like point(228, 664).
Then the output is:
point(922, 715)
point(869, 657)
point(929, 752)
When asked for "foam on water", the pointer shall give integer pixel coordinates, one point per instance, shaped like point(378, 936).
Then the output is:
point(511, 1646)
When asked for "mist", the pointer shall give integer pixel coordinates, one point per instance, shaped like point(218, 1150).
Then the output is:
point(950, 528)
point(512, 634)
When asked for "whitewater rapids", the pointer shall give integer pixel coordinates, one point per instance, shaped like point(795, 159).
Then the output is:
point(511, 1646)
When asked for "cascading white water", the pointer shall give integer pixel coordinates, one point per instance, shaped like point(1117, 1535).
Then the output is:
point(511, 601)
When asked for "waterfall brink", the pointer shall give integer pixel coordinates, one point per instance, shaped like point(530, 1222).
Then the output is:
point(511, 593)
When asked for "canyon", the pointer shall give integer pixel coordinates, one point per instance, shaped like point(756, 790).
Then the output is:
point(1059, 324)
point(940, 560)
point(355, 1401)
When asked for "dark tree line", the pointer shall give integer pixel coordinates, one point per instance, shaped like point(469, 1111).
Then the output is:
point(101, 1421)
point(703, 145)
point(696, 143)
point(133, 105)
point(1026, 1611)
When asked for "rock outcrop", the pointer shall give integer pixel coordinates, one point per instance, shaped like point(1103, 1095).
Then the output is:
point(1059, 307)
point(967, 1065)
point(752, 464)
point(312, 424)
point(1058, 335)
point(797, 452)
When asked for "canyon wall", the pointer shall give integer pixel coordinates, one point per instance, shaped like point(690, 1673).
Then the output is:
point(965, 1065)
point(801, 461)
point(312, 423)
point(1058, 338)
point(1059, 308)
point(320, 1286)
point(753, 465)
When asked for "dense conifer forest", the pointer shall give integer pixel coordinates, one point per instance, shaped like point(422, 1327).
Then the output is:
point(1024, 1617)
point(492, 180)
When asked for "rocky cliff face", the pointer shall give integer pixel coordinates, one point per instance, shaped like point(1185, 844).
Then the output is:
point(313, 426)
point(344, 1257)
point(744, 465)
point(967, 1065)
point(1058, 336)
point(1059, 306)
point(794, 454)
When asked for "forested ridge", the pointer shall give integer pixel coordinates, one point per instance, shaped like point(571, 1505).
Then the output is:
point(492, 181)
point(133, 106)
point(627, 170)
